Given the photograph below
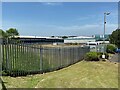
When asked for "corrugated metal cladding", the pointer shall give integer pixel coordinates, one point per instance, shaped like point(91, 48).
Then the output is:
point(79, 40)
point(39, 40)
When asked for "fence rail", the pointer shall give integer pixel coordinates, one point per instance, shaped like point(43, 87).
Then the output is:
point(21, 58)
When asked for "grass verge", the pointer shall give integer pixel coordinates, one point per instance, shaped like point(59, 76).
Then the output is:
point(80, 75)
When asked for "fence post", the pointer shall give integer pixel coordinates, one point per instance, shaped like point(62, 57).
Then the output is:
point(7, 57)
point(41, 62)
point(61, 57)
point(1, 54)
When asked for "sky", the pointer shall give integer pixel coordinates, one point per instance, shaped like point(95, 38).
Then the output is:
point(59, 18)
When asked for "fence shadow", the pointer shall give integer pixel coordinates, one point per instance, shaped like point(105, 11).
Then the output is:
point(3, 85)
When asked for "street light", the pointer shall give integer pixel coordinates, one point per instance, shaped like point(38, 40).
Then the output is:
point(106, 13)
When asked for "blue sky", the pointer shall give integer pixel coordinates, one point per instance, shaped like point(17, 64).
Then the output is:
point(50, 18)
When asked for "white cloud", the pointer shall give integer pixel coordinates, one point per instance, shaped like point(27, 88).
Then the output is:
point(87, 17)
point(52, 3)
point(88, 29)
point(48, 30)
point(111, 27)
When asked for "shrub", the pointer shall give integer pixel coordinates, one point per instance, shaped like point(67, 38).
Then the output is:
point(3, 73)
point(95, 56)
point(91, 56)
point(111, 48)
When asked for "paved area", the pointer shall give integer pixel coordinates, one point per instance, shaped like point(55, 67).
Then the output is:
point(115, 58)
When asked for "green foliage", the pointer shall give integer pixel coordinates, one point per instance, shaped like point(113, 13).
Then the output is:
point(3, 73)
point(2, 34)
point(64, 37)
point(12, 32)
point(91, 56)
point(52, 36)
point(94, 56)
point(115, 37)
point(9, 33)
point(111, 48)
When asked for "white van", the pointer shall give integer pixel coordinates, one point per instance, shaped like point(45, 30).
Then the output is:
point(92, 45)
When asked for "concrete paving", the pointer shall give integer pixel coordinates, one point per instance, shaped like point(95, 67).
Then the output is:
point(115, 58)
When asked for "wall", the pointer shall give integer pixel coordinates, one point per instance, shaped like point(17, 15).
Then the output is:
point(78, 41)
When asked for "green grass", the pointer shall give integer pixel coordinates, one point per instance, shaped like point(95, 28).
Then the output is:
point(80, 75)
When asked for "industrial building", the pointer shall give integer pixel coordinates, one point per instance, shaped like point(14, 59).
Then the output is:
point(38, 39)
point(79, 39)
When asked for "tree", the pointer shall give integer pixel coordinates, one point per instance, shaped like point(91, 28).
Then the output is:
point(2, 34)
point(115, 38)
point(12, 32)
point(64, 37)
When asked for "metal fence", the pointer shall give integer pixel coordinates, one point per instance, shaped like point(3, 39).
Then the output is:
point(98, 48)
point(19, 58)
point(0, 57)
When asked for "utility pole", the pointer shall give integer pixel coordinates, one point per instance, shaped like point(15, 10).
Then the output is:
point(106, 13)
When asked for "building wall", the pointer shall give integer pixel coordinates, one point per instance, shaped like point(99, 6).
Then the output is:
point(78, 40)
point(40, 40)
point(107, 42)
point(100, 37)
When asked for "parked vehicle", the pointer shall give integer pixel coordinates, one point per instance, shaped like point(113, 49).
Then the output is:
point(117, 50)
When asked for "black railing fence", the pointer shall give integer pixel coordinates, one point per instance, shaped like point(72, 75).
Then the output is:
point(19, 58)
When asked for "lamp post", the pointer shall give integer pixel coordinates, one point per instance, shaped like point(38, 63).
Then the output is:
point(106, 13)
